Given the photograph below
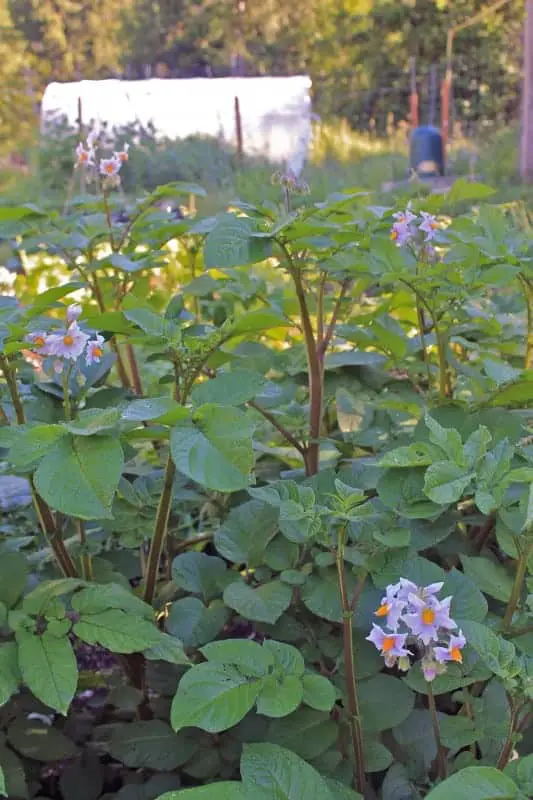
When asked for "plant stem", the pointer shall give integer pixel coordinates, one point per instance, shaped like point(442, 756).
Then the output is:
point(507, 748)
point(281, 428)
point(354, 715)
point(520, 574)
point(330, 330)
point(134, 369)
point(441, 755)
point(44, 514)
point(86, 560)
point(108, 218)
point(66, 395)
point(160, 531)
point(527, 286)
point(316, 389)
point(121, 369)
point(444, 381)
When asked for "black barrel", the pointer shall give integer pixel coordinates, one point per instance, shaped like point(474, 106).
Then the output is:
point(426, 154)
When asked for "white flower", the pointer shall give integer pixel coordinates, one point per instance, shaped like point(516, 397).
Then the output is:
point(73, 313)
point(110, 166)
point(70, 344)
point(95, 350)
point(92, 139)
point(84, 156)
point(122, 155)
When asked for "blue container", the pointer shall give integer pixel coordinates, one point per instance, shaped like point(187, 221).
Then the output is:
point(426, 152)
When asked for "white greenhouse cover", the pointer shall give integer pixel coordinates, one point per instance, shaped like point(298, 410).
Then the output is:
point(275, 112)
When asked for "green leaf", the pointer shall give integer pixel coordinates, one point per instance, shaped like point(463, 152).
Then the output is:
point(318, 692)
point(445, 482)
point(194, 623)
point(256, 321)
point(321, 594)
point(199, 573)
point(41, 742)
point(168, 648)
point(221, 790)
point(95, 598)
point(476, 783)
point(306, 732)
point(493, 579)
point(457, 732)
point(94, 420)
point(497, 653)
point(418, 454)
point(384, 702)
point(229, 388)
point(264, 604)
point(280, 696)
point(448, 439)
point(79, 475)
point(48, 667)
point(9, 671)
point(468, 601)
point(119, 632)
point(150, 408)
point(152, 324)
point(151, 744)
point(3, 790)
point(230, 244)
point(246, 532)
point(249, 657)
point(14, 773)
point(515, 394)
point(13, 577)
point(45, 593)
point(288, 660)
point(270, 771)
point(32, 444)
point(215, 449)
point(213, 697)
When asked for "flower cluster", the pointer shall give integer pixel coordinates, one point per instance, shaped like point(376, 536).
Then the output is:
point(69, 344)
point(407, 224)
point(413, 615)
point(86, 157)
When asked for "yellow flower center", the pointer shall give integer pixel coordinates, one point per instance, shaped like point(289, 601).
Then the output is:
point(123, 155)
point(109, 168)
point(394, 235)
point(97, 352)
point(39, 341)
point(68, 340)
point(383, 610)
point(428, 616)
point(456, 655)
point(388, 643)
point(434, 225)
point(83, 156)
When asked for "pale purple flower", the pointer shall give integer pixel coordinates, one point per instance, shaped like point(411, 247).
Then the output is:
point(95, 350)
point(430, 668)
point(390, 645)
point(58, 366)
point(404, 217)
point(427, 617)
point(453, 651)
point(39, 342)
point(429, 225)
point(73, 313)
point(69, 344)
point(110, 167)
point(400, 233)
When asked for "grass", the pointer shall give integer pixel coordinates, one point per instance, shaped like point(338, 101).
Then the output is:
point(339, 158)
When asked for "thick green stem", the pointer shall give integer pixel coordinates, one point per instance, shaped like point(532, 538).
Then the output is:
point(66, 395)
point(121, 369)
point(442, 766)
point(520, 574)
point(444, 378)
point(354, 714)
point(86, 560)
point(160, 532)
point(527, 286)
